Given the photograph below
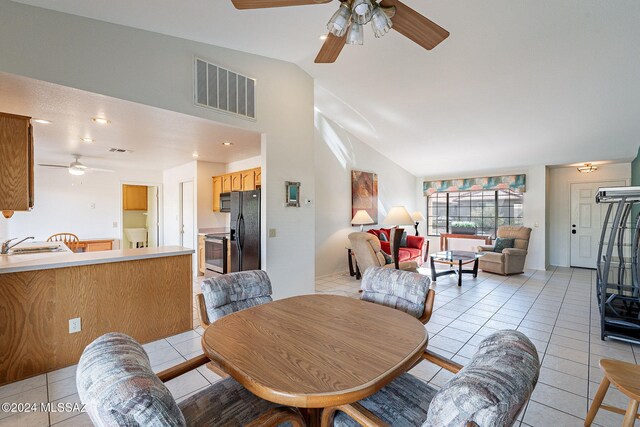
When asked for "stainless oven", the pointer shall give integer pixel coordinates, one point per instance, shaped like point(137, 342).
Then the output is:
point(215, 253)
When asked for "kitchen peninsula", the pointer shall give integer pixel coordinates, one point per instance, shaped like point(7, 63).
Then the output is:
point(145, 293)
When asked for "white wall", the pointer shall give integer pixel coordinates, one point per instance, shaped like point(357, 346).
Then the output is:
point(560, 204)
point(534, 209)
point(157, 70)
point(250, 163)
point(206, 217)
point(336, 153)
point(86, 205)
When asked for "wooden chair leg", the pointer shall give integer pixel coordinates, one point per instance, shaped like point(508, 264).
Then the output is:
point(630, 416)
point(597, 401)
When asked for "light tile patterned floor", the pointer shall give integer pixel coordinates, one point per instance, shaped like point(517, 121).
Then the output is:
point(555, 308)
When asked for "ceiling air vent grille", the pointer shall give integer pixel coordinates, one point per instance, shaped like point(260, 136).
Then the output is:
point(224, 90)
point(118, 150)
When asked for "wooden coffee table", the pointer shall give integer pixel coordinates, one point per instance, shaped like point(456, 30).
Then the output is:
point(455, 258)
point(315, 351)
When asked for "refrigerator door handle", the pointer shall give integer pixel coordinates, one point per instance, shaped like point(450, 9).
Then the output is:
point(241, 231)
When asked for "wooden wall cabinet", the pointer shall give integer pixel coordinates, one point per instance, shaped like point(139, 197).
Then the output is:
point(245, 180)
point(16, 164)
point(134, 197)
point(217, 189)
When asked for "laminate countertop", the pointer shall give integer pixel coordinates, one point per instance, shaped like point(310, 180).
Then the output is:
point(15, 263)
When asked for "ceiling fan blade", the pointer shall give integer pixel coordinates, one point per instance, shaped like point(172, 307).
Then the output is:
point(99, 170)
point(53, 166)
point(259, 4)
point(330, 49)
point(414, 26)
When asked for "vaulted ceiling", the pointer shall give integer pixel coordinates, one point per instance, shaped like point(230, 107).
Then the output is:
point(517, 83)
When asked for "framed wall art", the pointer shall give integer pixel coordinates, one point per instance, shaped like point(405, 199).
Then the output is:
point(364, 193)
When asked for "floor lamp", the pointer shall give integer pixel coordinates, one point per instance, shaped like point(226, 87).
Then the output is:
point(397, 216)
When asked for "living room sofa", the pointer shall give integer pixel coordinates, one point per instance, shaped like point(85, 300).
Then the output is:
point(415, 249)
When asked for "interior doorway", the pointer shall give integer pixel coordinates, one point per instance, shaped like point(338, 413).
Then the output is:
point(586, 222)
point(187, 223)
point(140, 216)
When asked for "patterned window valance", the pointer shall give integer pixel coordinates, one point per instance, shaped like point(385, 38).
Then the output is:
point(514, 183)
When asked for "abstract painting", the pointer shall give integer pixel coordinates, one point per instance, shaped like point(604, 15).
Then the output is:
point(364, 193)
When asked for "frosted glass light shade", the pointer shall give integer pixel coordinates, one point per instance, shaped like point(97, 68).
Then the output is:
point(361, 217)
point(339, 22)
point(361, 11)
point(380, 22)
point(355, 34)
point(398, 215)
point(417, 216)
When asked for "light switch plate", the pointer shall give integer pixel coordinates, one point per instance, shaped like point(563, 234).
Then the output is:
point(75, 325)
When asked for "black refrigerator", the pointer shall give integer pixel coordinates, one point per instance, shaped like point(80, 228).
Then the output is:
point(245, 230)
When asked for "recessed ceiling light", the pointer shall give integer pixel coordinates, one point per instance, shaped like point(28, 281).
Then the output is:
point(323, 37)
point(101, 120)
point(88, 140)
point(227, 143)
point(42, 121)
point(195, 155)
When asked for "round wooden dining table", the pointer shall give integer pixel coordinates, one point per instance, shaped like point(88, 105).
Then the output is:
point(315, 351)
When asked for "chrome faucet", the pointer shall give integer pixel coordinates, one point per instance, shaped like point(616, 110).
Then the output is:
point(6, 246)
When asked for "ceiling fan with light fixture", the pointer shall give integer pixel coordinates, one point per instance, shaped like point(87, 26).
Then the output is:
point(347, 23)
point(75, 167)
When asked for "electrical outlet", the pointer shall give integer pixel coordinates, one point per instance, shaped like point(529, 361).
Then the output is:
point(75, 325)
point(272, 232)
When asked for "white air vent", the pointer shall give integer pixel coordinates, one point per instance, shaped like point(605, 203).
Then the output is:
point(119, 150)
point(225, 90)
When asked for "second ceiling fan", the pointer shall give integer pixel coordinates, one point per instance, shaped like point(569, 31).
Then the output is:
point(347, 23)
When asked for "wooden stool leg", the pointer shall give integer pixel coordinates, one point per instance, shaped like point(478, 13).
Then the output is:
point(597, 401)
point(630, 416)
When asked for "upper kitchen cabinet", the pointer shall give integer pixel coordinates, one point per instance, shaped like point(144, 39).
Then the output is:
point(16, 164)
point(134, 198)
point(245, 180)
point(236, 181)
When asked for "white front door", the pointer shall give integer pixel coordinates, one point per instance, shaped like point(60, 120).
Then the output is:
point(186, 215)
point(586, 222)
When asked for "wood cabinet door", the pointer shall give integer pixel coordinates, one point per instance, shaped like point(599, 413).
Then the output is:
point(226, 183)
point(217, 189)
point(258, 177)
point(236, 181)
point(16, 163)
point(134, 197)
point(248, 180)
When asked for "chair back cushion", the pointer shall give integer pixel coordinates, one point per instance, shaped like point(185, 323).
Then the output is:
point(116, 383)
point(366, 247)
point(519, 233)
point(402, 290)
point(228, 293)
point(492, 389)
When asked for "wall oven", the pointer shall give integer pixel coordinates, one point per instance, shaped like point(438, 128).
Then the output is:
point(215, 253)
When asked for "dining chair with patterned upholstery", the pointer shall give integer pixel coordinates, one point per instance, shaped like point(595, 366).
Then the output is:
point(69, 239)
point(403, 290)
point(489, 392)
point(227, 293)
point(118, 388)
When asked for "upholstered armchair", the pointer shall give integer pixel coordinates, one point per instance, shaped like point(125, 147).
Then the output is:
point(402, 290)
point(489, 392)
point(511, 260)
point(228, 293)
point(118, 387)
point(368, 253)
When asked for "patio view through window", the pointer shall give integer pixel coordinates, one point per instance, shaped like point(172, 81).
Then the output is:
point(487, 209)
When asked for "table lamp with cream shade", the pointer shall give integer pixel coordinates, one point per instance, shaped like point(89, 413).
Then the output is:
point(397, 216)
point(362, 218)
point(417, 218)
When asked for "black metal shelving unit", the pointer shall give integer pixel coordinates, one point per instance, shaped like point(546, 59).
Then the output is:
point(618, 285)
